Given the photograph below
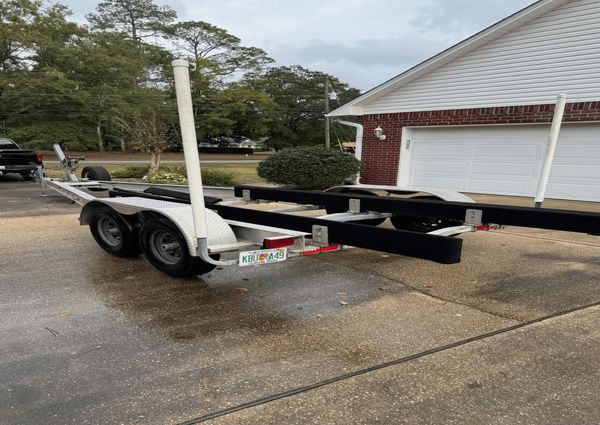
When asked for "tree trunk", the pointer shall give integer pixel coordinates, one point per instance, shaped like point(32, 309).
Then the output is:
point(99, 137)
point(154, 161)
point(123, 148)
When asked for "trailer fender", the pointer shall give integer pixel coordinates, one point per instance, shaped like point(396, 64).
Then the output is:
point(444, 195)
point(219, 232)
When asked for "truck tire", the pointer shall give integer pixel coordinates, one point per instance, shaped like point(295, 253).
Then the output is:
point(28, 176)
point(166, 249)
point(114, 235)
point(95, 173)
point(420, 224)
point(370, 222)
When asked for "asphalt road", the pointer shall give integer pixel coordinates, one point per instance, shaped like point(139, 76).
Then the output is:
point(92, 339)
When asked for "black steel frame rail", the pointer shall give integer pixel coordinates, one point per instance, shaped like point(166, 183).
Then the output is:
point(543, 218)
point(440, 249)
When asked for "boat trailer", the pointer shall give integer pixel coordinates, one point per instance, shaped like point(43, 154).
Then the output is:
point(184, 233)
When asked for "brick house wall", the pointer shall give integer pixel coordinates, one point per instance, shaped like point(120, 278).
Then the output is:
point(381, 158)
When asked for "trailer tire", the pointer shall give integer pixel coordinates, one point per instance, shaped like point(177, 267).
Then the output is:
point(420, 224)
point(166, 249)
point(96, 173)
point(114, 235)
point(370, 222)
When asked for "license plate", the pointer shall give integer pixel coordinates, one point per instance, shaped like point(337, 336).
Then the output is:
point(2, 167)
point(263, 256)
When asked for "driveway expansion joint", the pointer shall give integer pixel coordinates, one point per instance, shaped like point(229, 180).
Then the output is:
point(405, 359)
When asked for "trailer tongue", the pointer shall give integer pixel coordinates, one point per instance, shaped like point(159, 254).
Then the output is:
point(186, 233)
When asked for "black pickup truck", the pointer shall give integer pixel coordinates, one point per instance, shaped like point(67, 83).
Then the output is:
point(15, 160)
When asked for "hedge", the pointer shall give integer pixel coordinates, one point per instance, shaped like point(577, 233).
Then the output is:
point(310, 167)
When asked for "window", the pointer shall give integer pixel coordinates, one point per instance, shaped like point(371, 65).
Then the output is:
point(8, 144)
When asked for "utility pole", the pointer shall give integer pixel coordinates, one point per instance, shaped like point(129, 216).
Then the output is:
point(327, 136)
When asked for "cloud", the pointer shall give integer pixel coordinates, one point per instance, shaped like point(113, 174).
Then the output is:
point(362, 63)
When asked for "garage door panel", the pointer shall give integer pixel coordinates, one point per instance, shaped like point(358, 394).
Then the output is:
point(507, 160)
point(568, 190)
point(438, 168)
point(444, 150)
point(577, 154)
point(508, 151)
point(577, 171)
point(504, 168)
point(500, 187)
point(452, 183)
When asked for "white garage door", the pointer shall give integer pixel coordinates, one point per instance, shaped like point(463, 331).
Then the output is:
point(507, 160)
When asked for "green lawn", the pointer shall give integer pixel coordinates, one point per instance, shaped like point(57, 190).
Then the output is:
point(242, 173)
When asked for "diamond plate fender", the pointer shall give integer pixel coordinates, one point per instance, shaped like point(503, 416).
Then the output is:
point(219, 232)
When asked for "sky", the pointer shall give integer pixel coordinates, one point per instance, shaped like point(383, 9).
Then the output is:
point(363, 43)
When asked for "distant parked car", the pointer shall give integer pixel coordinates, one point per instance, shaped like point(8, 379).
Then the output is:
point(226, 144)
point(15, 160)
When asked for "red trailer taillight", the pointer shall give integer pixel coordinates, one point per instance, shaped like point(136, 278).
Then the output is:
point(320, 250)
point(39, 158)
point(278, 242)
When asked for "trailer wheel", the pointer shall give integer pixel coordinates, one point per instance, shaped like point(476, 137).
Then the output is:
point(416, 223)
point(96, 173)
point(165, 247)
point(370, 222)
point(113, 234)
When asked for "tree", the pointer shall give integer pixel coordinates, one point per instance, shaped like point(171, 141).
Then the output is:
point(214, 49)
point(38, 101)
point(298, 117)
point(235, 110)
point(138, 18)
point(101, 64)
point(148, 121)
point(17, 35)
point(63, 82)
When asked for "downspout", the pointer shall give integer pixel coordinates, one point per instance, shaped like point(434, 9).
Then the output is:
point(359, 142)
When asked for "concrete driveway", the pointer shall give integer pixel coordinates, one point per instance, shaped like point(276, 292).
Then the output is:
point(350, 337)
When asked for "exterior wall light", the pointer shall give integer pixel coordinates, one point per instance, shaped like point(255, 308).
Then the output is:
point(379, 133)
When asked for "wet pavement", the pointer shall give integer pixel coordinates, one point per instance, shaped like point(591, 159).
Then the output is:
point(544, 374)
point(92, 339)
point(19, 198)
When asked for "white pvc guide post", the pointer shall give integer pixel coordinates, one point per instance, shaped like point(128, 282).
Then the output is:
point(190, 145)
point(559, 112)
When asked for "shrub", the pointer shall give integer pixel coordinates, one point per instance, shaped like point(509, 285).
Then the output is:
point(177, 175)
point(165, 177)
point(131, 172)
point(218, 178)
point(310, 167)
